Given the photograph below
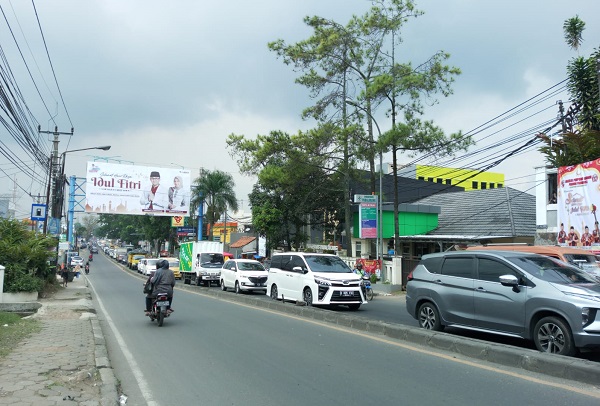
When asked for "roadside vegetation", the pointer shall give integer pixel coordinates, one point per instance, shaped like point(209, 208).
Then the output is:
point(13, 329)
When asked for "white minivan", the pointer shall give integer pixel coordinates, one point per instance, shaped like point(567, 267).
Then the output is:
point(316, 279)
point(244, 275)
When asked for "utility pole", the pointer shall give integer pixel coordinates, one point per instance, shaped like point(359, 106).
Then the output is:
point(56, 206)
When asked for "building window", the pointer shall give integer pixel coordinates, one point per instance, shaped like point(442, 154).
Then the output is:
point(474, 185)
point(484, 185)
point(492, 185)
point(440, 180)
point(421, 178)
point(448, 182)
point(552, 187)
point(430, 179)
point(358, 248)
point(500, 185)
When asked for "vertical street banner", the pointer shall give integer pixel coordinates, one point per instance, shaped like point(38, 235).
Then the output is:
point(578, 198)
point(367, 215)
point(128, 189)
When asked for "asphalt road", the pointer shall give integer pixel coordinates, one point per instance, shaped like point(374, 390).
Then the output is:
point(216, 352)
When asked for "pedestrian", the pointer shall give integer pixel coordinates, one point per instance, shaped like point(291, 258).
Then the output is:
point(64, 273)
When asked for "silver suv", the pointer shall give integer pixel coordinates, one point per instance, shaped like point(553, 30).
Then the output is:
point(510, 293)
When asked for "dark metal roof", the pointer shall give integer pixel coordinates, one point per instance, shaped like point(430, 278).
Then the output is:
point(478, 213)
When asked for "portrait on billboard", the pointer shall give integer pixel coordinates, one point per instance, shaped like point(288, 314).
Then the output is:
point(129, 189)
point(577, 200)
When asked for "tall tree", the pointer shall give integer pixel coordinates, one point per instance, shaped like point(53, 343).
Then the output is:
point(581, 142)
point(297, 187)
point(215, 188)
point(361, 56)
point(573, 30)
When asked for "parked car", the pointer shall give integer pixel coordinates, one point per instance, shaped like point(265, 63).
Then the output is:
point(135, 261)
point(517, 294)
point(77, 260)
point(147, 266)
point(316, 279)
point(244, 275)
point(174, 266)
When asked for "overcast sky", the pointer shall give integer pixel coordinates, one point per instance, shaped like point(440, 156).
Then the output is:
point(164, 83)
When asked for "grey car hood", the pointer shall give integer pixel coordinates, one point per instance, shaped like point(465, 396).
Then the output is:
point(592, 289)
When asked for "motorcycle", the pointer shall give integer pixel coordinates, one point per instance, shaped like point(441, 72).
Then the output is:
point(366, 288)
point(91, 257)
point(159, 308)
point(87, 269)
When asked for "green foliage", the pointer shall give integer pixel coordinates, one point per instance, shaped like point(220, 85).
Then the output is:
point(571, 148)
point(215, 188)
point(296, 187)
point(26, 257)
point(14, 329)
point(573, 30)
point(582, 143)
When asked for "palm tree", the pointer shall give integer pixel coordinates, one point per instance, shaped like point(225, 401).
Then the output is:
point(215, 188)
point(573, 29)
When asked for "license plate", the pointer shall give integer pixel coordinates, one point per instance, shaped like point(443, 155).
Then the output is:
point(165, 303)
point(259, 284)
point(346, 293)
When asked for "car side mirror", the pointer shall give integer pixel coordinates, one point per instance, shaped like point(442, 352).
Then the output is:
point(509, 280)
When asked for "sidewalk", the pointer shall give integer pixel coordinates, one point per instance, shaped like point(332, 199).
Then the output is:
point(66, 362)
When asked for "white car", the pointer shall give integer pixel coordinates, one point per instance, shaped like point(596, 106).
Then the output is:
point(77, 260)
point(315, 279)
point(244, 275)
point(147, 266)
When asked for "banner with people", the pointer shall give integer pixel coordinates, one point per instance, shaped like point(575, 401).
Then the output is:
point(577, 202)
point(128, 189)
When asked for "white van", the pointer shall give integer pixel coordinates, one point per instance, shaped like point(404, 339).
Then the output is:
point(316, 279)
point(147, 266)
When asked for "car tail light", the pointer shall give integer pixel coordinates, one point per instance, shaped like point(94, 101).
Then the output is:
point(410, 276)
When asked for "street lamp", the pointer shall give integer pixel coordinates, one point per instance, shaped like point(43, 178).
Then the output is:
point(380, 202)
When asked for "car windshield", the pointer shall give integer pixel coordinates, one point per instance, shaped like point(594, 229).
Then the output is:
point(326, 263)
point(173, 264)
point(152, 261)
point(552, 270)
point(250, 266)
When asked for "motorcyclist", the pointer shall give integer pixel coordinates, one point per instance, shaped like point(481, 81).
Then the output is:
point(359, 270)
point(163, 281)
point(87, 268)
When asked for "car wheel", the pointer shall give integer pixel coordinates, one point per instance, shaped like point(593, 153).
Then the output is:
point(198, 281)
point(274, 292)
point(223, 287)
point(429, 317)
point(307, 296)
point(237, 287)
point(552, 335)
point(354, 306)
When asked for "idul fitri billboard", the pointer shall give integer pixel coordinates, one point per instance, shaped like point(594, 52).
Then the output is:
point(578, 198)
point(128, 189)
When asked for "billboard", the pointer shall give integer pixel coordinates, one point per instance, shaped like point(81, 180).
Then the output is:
point(578, 198)
point(128, 189)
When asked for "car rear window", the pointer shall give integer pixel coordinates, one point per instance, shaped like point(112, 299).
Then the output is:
point(250, 266)
point(584, 261)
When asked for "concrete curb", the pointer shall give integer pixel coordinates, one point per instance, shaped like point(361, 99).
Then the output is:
point(108, 391)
